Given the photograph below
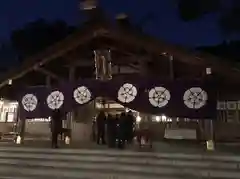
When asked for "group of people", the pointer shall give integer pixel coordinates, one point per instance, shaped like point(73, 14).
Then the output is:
point(119, 129)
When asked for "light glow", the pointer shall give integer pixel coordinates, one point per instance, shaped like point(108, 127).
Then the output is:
point(67, 140)
point(18, 140)
point(138, 119)
point(164, 118)
point(158, 119)
point(10, 82)
point(208, 71)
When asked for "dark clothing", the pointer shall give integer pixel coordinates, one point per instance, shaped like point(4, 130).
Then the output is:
point(122, 131)
point(56, 122)
point(111, 131)
point(101, 136)
point(101, 119)
point(129, 127)
point(54, 139)
point(94, 136)
point(56, 127)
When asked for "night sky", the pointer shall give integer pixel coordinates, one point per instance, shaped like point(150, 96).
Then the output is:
point(167, 26)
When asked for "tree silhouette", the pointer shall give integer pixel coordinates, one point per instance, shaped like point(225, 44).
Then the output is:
point(194, 9)
point(229, 18)
point(36, 36)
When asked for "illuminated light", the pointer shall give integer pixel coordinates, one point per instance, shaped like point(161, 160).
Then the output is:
point(210, 145)
point(67, 140)
point(158, 119)
point(39, 120)
point(208, 71)
point(127, 110)
point(13, 103)
point(164, 118)
point(10, 82)
point(138, 119)
point(169, 120)
point(18, 140)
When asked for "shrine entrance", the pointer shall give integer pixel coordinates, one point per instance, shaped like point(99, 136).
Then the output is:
point(118, 67)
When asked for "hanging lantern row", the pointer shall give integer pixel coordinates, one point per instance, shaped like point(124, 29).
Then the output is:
point(193, 98)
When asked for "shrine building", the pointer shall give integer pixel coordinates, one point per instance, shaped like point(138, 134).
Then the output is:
point(116, 67)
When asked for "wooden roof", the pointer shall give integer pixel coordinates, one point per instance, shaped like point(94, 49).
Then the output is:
point(127, 39)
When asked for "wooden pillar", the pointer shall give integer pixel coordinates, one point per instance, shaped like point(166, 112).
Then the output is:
point(171, 75)
point(72, 70)
point(118, 70)
point(71, 114)
point(48, 81)
point(21, 124)
point(171, 68)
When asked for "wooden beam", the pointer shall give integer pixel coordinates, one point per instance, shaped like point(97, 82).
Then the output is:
point(48, 73)
point(81, 63)
point(72, 73)
point(155, 46)
point(48, 81)
point(83, 36)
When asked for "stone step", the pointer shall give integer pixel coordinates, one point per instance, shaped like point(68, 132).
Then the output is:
point(66, 163)
point(76, 159)
point(55, 172)
point(130, 154)
point(64, 173)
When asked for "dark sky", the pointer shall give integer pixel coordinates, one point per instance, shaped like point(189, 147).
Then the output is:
point(15, 13)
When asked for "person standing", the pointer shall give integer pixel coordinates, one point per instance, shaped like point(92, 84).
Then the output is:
point(111, 131)
point(56, 126)
point(129, 127)
point(101, 119)
point(122, 131)
point(94, 136)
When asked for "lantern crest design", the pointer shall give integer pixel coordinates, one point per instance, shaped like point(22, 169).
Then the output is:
point(159, 96)
point(195, 98)
point(29, 102)
point(55, 100)
point(82, 95)
point(127, 93)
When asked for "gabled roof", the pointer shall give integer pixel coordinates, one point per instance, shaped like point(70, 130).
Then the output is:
point(125, 36)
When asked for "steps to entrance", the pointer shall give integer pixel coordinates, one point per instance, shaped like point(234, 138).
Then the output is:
point(28, 163)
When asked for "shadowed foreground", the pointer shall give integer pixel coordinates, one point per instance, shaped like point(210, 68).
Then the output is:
point(41, 162)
